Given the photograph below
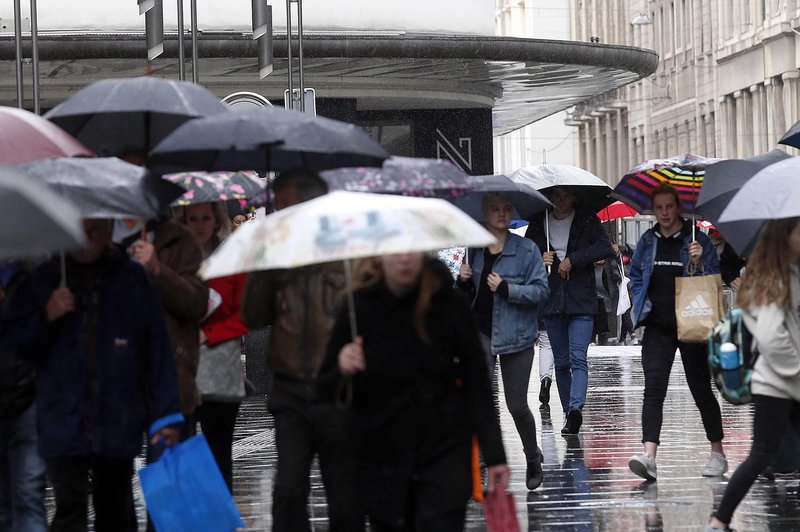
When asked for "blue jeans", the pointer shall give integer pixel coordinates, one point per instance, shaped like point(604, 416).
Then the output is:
point(569, 337)
point(22, 475)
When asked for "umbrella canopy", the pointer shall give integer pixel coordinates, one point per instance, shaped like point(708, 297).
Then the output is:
point(344, 225)
point(616, 210)
point(526, 200)
point(104, 187)
point(205, 187)
point(684, 173)
point(26, 137)
point(792, 137)
point(408, 176)
point(772, 193)
point(115, 116)
point(591, 192)
point(722, 181)
point(36, 220)
point(268, 139)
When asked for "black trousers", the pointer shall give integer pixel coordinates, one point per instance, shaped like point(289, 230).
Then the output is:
point(218, 420)
point(658, 354)
point(111, 491)
point(771, 418)
point(303, 429)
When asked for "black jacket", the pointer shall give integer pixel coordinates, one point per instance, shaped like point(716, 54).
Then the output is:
point(588, 243)
point(417, 404)
point(17, 374)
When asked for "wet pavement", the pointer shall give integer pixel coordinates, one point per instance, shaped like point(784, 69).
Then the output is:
point(587, 484)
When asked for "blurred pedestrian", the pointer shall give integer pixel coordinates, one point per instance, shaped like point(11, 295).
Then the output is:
point(627, 333)
point(770, 297)
point(663, 253)
point(420, 389)
point(301, 305)
point(607, 278)
point(508, 282)
point(22, 470)
point(104, 374)
point(576, 241)
point(237, 221)
point(546, 364)
point(219, 375)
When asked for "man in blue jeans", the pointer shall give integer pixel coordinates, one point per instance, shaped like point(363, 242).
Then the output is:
point(576, 241)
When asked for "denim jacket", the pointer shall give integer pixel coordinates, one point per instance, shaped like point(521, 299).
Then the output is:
point(515, 319)
point(642, 266)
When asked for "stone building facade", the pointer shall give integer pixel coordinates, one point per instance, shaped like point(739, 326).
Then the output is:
point(726, 84)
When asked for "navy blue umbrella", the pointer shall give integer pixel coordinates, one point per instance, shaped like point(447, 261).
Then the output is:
point(268, 139)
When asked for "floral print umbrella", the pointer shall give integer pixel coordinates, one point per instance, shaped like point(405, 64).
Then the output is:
point(205, 187)
point(406, 176)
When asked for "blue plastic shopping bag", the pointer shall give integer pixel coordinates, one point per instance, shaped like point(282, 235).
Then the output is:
point(185, 491)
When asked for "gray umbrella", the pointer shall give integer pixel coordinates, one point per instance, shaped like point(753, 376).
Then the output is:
point(526, 200)
point(115, 116)
point(35, 220)
point(267, 139)
point(772, 193)
point(105, 187)
point(722, 181)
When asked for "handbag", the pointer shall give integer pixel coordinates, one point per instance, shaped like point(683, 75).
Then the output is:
point(185, 491)
point(624, 299)
point(500, 512)
point(698, 305)
point(219, 371)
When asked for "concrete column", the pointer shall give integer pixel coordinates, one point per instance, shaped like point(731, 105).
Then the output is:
point(611, 142)
point(790, 108)
point(738, 124)
point(702, 142)
point(775, 116)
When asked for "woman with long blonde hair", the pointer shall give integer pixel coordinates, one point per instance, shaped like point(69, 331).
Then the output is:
point(770, 297)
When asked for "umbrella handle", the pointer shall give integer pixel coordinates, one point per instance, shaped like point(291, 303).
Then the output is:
point(351, 304)
point(63, 270)
point(547, 237)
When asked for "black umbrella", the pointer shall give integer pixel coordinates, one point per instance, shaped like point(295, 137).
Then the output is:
point(792, 137)
point(116, 116)
point(591, 192)
point(722, 181)
point(105, 187)
point(407, 176)
point(35, 220)
point(526, 200)
point(268, 139)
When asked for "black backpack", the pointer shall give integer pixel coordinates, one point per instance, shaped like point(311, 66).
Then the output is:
point(733, 329)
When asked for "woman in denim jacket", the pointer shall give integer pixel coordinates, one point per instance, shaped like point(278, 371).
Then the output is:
point(508, 282)
point(662, 254)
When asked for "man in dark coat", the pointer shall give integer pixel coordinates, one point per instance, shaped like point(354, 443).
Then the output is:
point(105, 374)
point(301, 305)
point(575, 242)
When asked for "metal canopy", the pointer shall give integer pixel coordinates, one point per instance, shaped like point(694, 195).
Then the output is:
point(522, 80)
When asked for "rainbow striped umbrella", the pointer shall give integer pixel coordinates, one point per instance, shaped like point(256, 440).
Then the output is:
point(684, 173)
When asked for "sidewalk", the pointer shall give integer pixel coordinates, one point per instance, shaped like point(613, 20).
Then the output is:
point(587, 483)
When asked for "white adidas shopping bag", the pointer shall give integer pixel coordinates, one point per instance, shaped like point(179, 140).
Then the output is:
point(698, 306)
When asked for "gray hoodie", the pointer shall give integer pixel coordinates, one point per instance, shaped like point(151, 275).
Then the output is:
point(776, 334)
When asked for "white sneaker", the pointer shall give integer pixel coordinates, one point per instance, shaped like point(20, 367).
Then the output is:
point(717, 465)
point(643, 465)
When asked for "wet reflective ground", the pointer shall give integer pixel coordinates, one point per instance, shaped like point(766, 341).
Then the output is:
point(587, 483)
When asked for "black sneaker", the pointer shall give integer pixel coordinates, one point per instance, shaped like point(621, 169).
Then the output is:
point(544, 391)
point(534, 473)
point(574, 422)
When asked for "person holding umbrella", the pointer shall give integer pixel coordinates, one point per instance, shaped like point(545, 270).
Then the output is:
point(770, 297)
point(420, 390)
point(219, 373)
point(301, 304)
point(572, 240)
point(507, 282)
point(662, 254)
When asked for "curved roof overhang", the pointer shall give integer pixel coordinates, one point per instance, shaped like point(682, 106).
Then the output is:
point(521, 80)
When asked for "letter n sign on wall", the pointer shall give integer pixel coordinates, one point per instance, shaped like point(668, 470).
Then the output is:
point(463, 136)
